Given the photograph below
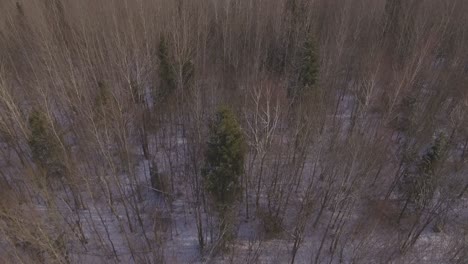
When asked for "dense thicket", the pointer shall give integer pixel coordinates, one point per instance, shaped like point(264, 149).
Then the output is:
point(345, 138)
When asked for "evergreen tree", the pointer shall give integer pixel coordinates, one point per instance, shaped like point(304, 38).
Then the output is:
point(188, 73)
point(310, 64)
point(392, 10)
point(166, 71)
point(308, 70)
point(136, 92)
point(421, 185)
point(102, 98)
point(45, 149)
point(224, 158)
point(102, 103)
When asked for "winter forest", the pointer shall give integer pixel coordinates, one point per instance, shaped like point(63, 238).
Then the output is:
point(234, 131)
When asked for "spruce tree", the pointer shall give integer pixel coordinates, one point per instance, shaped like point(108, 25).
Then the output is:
point(44, 148)
point(102, 102)
point(166, 71)
point(188, 73)
point(308, 70)
point(310, 64)
point(224, 158)
point(136, 92)
point(421, 185)
point(103, 95)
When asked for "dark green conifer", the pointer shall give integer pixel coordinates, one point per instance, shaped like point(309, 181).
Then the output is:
point(308, 68)
point(44, 147)
point(166, 71)
point(422, 183)
point(224, 158)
